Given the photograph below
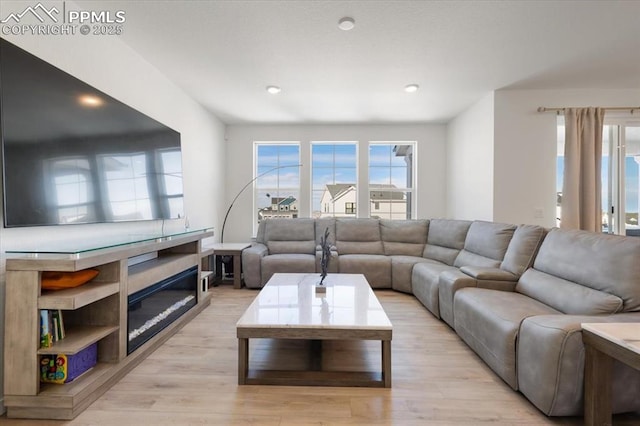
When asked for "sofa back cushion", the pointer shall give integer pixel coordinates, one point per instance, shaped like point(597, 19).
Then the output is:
point(404, 237)
point(260, 234)
point(566, 296)
point(358, 236)
point(290, 236)
point(445, 239)
point(607, 263)
point(485, 245)
point(523, 248)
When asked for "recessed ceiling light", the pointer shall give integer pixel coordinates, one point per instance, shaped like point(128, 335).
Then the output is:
point(411, 88)
point(346, 23)
point(90, 101)
point(274, 90)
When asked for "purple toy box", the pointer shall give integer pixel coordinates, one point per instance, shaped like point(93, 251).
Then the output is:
point(62, 368)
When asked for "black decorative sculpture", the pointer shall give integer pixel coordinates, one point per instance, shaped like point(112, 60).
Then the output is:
point(326, 254)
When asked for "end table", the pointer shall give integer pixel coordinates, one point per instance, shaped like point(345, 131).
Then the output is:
point(235, 251)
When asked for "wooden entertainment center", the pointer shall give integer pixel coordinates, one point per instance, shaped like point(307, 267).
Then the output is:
point(95, 312)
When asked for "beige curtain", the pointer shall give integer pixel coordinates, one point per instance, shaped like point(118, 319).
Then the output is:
point(581, 192)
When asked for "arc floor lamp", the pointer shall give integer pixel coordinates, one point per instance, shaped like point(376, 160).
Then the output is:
point(226, 216)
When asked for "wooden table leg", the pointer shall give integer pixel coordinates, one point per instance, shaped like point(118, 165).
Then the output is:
point(237, 273)
point(597, 387)
point(386, 363)
point(315, 355)
point(218, 276)
point(243, 360)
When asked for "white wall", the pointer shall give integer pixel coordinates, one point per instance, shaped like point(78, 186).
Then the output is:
point(525, 148)
point(470, 162)
point(430, 163)
point(111, 66)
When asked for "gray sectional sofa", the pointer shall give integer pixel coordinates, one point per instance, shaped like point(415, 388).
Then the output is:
point(516, 294)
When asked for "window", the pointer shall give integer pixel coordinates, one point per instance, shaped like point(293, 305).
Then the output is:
point(391, 180)
point(277, 187)
point(350, 208)
point(334, 178)
point(620, 175)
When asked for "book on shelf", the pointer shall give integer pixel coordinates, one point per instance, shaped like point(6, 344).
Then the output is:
point(46, 339)
point(51, 327)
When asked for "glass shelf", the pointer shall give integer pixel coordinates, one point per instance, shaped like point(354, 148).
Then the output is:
point(90, 245)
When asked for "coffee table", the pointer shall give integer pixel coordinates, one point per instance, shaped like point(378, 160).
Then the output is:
point(288, 307)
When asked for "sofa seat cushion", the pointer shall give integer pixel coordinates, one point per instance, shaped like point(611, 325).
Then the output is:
point(566, 296)
point(489, 320)
point(375, 268)
point(424, 283)
point(551, 365)
point(404, 237)
point(401, 270)
point(293, 262)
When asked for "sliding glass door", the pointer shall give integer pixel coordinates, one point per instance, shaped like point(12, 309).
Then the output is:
point(620, 173)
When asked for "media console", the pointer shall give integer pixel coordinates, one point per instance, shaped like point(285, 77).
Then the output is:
point(96, 312)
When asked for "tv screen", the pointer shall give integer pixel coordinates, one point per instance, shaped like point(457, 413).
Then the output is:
point(73, 154)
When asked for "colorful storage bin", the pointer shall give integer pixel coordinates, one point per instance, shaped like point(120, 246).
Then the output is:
point(63, 368)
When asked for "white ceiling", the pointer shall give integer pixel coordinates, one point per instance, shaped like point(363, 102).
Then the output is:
point(224, 53)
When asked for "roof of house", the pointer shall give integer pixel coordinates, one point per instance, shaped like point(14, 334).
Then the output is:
point(377, 191)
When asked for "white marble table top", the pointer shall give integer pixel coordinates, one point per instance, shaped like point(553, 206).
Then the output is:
point(626, 334)
point(290, 301)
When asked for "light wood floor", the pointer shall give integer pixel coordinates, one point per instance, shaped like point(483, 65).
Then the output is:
point(192, 379)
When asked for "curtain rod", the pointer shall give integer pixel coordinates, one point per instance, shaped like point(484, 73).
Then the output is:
point(559, 110)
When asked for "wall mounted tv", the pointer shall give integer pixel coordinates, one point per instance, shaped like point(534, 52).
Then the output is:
point(73, 154)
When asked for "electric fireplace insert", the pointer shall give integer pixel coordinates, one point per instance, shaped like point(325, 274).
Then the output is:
point(152, 309)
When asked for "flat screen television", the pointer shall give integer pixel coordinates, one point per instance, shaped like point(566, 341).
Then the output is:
point(72, 154)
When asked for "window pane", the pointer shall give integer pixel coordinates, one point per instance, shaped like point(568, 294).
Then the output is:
point(379, 155)
point(345, 155)
point(380, 175)
point(345, 175)
point(399, 177)
point(267, 156)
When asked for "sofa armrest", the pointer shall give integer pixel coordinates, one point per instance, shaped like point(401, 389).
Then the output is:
point(449, 282)
point(252, 264)
point(492, 278)
point(489, 274)
point(550, 364)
